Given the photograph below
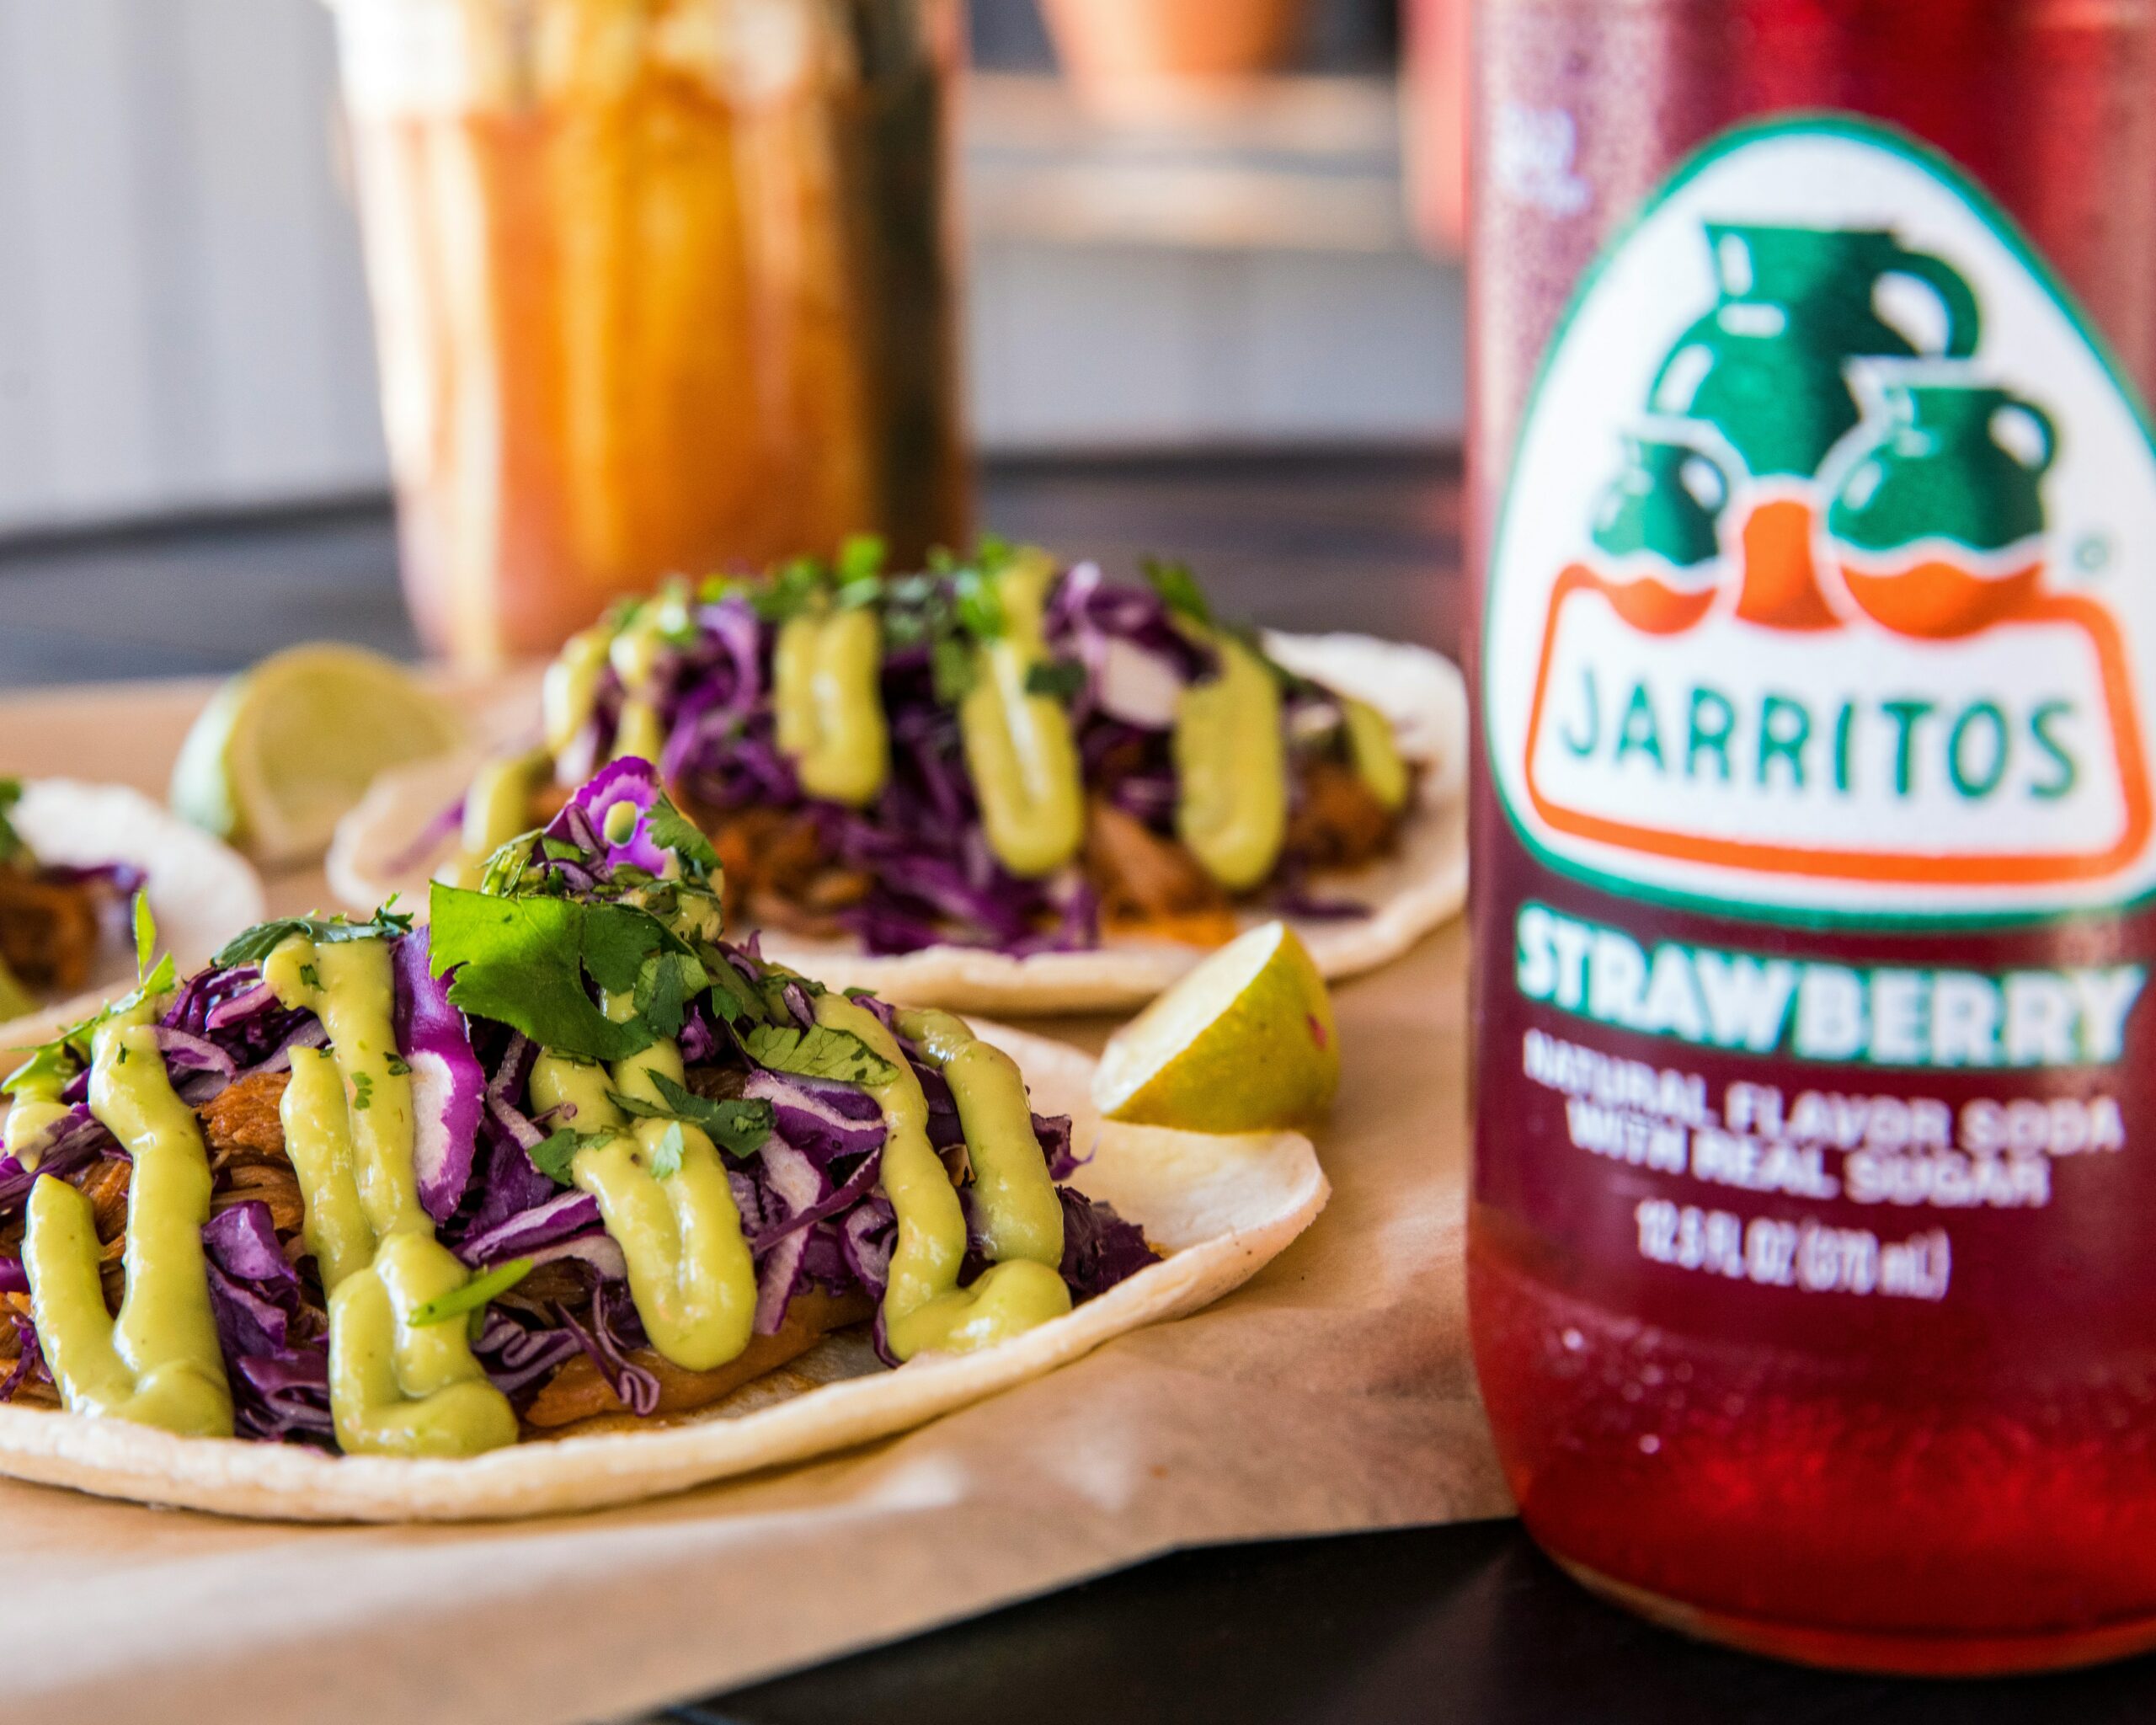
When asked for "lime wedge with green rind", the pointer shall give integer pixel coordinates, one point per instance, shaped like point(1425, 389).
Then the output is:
point(283, 750)
point(1244, 1043)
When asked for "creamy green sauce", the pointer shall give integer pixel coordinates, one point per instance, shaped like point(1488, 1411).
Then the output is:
point(497, 808)
point(570, 690)
point(1231, 769)
point(400, 1389)
point(636, 731)
point(395, 1388)
point(159, 1364)
point(1018, 747)
point(1014, 1198)
point(690, 1271)
point(36, 1110)
point(828, 702)
point(1374, 752)
point(1229, 754)
point(924, 1308)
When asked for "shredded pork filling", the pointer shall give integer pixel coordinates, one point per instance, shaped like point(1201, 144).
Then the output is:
point(49, 928)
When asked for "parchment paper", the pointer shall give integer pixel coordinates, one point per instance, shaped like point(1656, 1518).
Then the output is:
point(1333, 1393)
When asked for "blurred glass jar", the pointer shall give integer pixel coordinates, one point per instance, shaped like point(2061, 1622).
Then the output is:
point(658, 284)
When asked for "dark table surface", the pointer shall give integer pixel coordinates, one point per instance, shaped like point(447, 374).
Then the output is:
point(1462, 1623)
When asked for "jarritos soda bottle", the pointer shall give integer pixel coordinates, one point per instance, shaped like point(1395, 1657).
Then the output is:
point(1813, 1251)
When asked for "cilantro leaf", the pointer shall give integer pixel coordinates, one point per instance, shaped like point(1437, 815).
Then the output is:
point(145, 934)
point(732, 996)
point(860, 570)
point(977, 604)
point(616, 941)
point(950, 668)
point(672, 830)
point(1178, 589)
point(739, 1127)
point(12, 848)
point(820, 1052)
point(1058, 679)
point(792, 589)
point(665, 1160)
point(521, 962)
point(254, 945)
point(472, 1296)
point(553, 1153)
point(666, 982)
point(54, 1061)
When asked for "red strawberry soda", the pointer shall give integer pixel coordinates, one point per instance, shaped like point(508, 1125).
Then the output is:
point(1813, 1248)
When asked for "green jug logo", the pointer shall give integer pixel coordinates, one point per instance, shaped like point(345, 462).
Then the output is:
point(1825, 581)
point(1658, 524)
point(1938, 528)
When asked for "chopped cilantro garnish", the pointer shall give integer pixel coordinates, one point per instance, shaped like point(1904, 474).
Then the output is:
point(53, 1062)
point(12, 848)
point(146, 935)
point(738, 1127)
point(820, 1052)
point(1058, 679)
point(860, 570)
point(1178, 589)
point(257, 943)
point(732, 996)
point(398, 1067)
point(665, 984)
point(524, 962)
point(362, 1091)
point(665, 1159)
point(672, 830)
point(554, 1153)
point(472, 1296)
point(951, 669)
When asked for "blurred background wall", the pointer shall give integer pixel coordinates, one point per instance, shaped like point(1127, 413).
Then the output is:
point(183, 322)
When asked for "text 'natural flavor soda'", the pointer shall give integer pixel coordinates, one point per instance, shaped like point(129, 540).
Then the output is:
point(1813, 1285)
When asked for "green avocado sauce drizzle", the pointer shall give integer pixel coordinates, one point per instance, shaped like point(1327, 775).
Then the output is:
point(662, 1193)
point(1231, 768)
point(924, 1307)
point(403, 1383)
point(828, 703)
point(1018, 744)
point(159, 1364)
point(396, 1388)
point(1020, 752)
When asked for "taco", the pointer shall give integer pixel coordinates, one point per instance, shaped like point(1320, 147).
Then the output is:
point(998, 783)
point(559, 1199)
point(72, 856)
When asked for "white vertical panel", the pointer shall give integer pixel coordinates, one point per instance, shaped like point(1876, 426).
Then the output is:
point(83, 247)
point(183, 321)
point(270, 268)
point(25, 473)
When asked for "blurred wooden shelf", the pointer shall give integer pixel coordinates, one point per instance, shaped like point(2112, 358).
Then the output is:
point(1299, 164)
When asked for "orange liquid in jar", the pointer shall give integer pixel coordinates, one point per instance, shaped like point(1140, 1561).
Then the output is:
point(658, 287)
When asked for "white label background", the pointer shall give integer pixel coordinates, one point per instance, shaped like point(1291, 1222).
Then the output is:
point(2101, 488)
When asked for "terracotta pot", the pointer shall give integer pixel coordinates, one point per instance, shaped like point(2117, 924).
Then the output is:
point(1112, 42)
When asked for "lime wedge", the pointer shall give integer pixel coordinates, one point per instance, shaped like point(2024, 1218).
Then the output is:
point(15, 1000)
point(283, 751)
point(1244, 1043)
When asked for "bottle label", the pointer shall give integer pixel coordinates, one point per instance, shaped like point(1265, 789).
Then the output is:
point(1824, 590)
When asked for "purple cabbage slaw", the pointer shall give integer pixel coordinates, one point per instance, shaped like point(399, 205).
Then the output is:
point(808, 1196)
point(931, 877)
